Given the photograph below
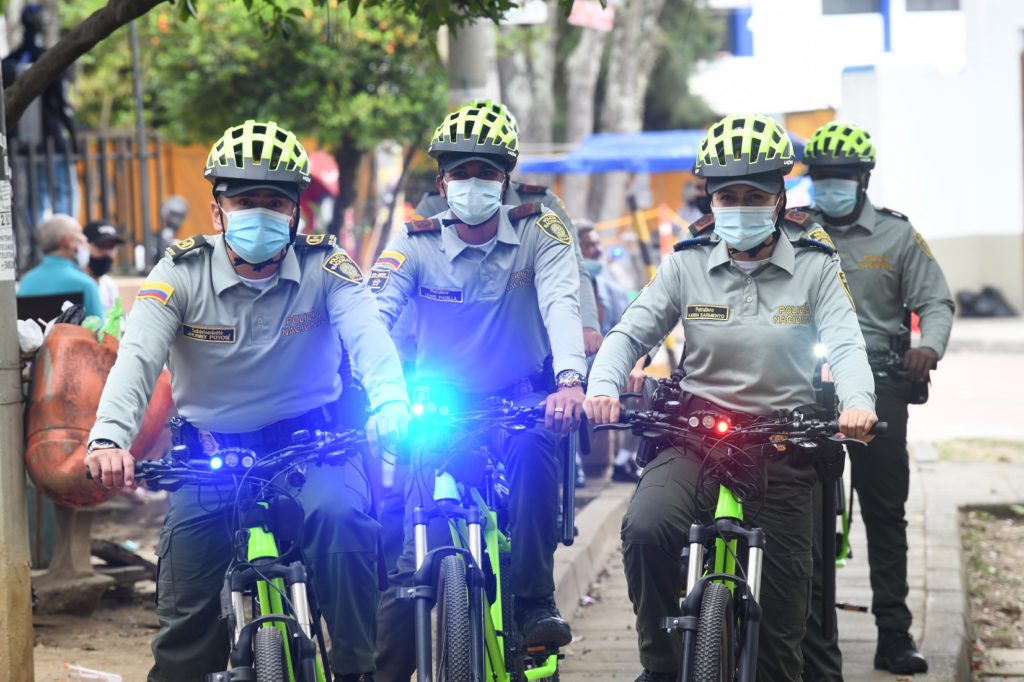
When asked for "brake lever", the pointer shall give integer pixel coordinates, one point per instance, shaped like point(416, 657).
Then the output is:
point(614, 427)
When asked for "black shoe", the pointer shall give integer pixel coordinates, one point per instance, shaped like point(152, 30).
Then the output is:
point(541, 623)
point(624, 473)
point(648, 676)
point(898, 654)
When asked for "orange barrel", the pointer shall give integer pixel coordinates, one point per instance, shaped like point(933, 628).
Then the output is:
point(67, 379)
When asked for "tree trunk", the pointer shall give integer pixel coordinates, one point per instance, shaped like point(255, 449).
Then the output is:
point(68, 49)
point(582, 68)
point(348, 156)
point(635, 42)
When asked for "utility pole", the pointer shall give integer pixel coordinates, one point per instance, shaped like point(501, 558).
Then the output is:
point(472, 63)
point(148, 236)
point(15, 582)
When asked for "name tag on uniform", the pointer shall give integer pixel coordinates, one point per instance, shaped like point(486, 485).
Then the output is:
point(209, 334)
point(718, 313)
point(442, 295)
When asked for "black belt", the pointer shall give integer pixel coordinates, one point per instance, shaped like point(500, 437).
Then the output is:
point(270, 437)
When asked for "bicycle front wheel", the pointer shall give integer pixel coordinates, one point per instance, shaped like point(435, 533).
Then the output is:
point(452, 633)
point(714, 659)
point(269, 655)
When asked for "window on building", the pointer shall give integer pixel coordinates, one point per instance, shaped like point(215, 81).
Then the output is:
point(932, 5)
point(850, 6)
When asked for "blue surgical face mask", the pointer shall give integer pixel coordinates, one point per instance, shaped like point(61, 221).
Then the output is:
point(744, 227)
point(835, 196)
point(474, 201)
point(594, 267)
point(258, 234)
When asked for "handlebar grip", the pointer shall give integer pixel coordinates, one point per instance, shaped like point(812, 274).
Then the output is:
point(879, 429)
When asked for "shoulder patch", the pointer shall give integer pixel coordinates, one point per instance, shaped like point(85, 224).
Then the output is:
point(815, 244)
point(342, 266)
point(691, 243)
point(846, 287)
point(551, 225)
point(156, 291)
point(526, 210)
point(797, 216)
point(819, 234)
point(531, 189)
point(314, 241)
point(705, 223)
point(923, 244)
point(894, 214)
point(422, 227)
point(179, 249)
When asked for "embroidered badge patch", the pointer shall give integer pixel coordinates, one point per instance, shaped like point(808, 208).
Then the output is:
point(875, 263)
point(924, 245)
point(391, 259)
point(343, 267)
point(157, 291)
point(303, 322)
point(820, 235)
point(718, 313)
point(379, 278)
point(520, 279)
point(846, 287)
point(792, 314)
point(442, 295)
point(209, 334)
point(551, 225)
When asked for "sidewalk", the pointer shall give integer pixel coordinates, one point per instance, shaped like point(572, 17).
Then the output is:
point(605, 644)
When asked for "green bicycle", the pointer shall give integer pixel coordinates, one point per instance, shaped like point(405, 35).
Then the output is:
point(272, 616)
point(473, 636)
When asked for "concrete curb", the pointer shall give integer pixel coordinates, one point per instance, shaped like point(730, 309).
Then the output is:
point(576, 566)
point(944, 640)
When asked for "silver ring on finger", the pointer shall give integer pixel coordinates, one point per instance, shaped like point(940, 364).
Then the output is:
point(559, 409)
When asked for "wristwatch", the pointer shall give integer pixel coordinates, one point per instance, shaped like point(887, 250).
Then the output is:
point(568, 378)
point(101, 444)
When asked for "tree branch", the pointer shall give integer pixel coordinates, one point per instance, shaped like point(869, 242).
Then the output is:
point(78, 41)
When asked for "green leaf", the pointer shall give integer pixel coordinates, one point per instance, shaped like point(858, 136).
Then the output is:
point(297, 12)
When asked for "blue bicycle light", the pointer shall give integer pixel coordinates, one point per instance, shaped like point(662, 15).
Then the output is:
point(216, 463)
point(417, 409)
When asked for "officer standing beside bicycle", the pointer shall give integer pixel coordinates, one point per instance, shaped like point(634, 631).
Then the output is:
point(753, 303)
point(890, 270)
point(496, 292)
point(249, 322)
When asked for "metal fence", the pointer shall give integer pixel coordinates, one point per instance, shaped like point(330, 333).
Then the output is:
point(100, 180)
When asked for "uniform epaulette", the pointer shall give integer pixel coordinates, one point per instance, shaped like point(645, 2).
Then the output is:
point(526, 210)
point(531, 189)
point(416, 227)
point(179, 249)
point(814, 244)
point(894, 214)
point(691, 243)
point(705, 223)
point(314, 241)
point(797, 216)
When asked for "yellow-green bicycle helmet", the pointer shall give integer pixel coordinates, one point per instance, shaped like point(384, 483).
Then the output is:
point(840, 144)
point(498, 108)
point(480, 130)
point(744, 144)
point(258, 151)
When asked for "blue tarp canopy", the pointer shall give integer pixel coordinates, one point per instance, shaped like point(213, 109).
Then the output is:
point(648, 152)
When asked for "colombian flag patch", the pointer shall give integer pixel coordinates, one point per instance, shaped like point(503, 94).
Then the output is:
point(158, 291)
point(391, 259)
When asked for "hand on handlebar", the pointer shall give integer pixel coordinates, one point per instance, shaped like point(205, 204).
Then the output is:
point(856, 423)
point(387, 427)
point(919, 362)
point(635, 382)
point(562, 409)
point(114, 468)
point(602, 409)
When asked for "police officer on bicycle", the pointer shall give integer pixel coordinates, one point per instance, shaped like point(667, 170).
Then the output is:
point(891, 271)
point(251, 324)
point(753, 302)
point(496, 292)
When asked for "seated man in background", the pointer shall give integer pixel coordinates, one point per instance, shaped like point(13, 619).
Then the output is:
point(65, 253)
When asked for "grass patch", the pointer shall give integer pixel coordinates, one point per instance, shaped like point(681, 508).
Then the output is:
point(982, 450)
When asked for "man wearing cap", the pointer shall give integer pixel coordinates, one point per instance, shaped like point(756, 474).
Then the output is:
point(103, 240)
point(251, 324)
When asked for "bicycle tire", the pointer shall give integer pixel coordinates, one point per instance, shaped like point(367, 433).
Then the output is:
point(269, 655)
point(713, 661)
point(452, 637)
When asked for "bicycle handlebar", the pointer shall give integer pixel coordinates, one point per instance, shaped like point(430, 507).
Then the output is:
point(178, 468)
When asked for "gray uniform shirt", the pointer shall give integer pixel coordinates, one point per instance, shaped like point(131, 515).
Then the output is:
point(484, 320)
point(433, 204)
point(889, 265)
point(241, 359)
point(749, 338)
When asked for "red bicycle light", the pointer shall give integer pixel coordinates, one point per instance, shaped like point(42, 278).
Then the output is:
point(722, 426)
